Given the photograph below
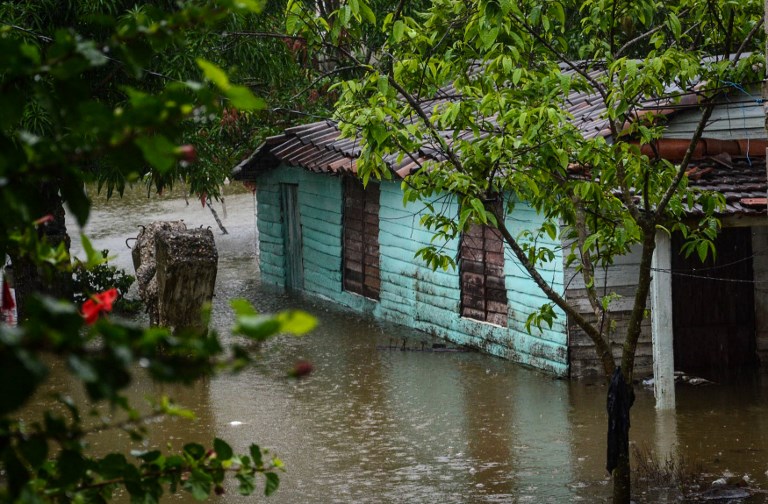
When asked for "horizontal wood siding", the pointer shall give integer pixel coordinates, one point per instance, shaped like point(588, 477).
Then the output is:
point(621, 279)
point(321, 204)
point(544, 347)
point(740, 117)
point(410, 292)
point(431, 300)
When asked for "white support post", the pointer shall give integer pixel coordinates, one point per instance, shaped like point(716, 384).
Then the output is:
point(661, 324)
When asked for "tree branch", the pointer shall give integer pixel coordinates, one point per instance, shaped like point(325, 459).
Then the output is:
point(601, 346)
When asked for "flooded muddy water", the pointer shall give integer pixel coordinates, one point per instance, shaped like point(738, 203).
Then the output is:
point(381, 425)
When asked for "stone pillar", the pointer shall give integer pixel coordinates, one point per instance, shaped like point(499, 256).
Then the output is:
point(187, 262)
point(661, 323)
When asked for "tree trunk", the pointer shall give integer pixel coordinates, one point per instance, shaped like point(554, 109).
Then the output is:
point(622, 484)
point(621, 396)
point(32, 278)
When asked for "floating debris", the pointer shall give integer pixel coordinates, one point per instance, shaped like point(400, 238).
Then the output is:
point(680, 377)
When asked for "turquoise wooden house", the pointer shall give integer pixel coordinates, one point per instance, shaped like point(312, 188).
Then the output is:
point(321, 232)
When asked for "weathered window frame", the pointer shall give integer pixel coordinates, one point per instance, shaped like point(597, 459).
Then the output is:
point(360, 257)
point(481, 276)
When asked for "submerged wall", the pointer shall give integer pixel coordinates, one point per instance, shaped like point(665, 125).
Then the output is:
point(411, 293)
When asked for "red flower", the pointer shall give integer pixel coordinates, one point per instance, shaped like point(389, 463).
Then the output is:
point(98, 303)
point(187, 152)
point(300, 369)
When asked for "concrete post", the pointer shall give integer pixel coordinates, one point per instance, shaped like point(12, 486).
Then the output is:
point(661, 324)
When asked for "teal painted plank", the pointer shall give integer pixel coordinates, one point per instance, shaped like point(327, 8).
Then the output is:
point(322, 232)
point(310, 247)
point(270, 227)
point(356, 302)
point(388, 241)
point(527, 344)
point(271, 279)
point(271, 248)
point(332, 279)
point(393, 301)
point(394, 316)
point(391, 281)
point(312, 203)
point(407, 266)
point(403, 293)
point(435, 314)
point(320, 261)
point(278, 271)
point(438, 279)
point(320, 185)
point(429, 289)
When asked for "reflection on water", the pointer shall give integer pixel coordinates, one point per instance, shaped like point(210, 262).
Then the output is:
point(373, 425)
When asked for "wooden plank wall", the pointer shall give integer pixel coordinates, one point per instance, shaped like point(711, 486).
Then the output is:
point(621, 279)
point(437, 294)
point(411, 293)
point(547, 346)
point(321, 210)
point(739, 117)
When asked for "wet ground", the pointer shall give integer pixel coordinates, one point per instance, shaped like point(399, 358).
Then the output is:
point(373, 424)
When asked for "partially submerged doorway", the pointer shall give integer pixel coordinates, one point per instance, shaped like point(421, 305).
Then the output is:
point(713, 306)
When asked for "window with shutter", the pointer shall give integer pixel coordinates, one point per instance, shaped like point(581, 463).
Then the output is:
point(361, 238)
point(481, 267)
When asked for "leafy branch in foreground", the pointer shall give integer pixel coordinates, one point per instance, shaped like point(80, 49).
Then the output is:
point(48, 458)
point(80, 103)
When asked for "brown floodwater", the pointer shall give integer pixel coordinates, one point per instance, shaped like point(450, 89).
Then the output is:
point(380, 425)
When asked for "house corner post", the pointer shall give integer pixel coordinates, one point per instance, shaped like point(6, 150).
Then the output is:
point(661, 324)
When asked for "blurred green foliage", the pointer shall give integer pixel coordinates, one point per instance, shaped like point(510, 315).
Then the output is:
point(82, 102)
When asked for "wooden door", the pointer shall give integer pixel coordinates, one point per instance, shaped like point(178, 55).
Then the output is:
point(294, 261)
point(714, 308)
point(361, 238)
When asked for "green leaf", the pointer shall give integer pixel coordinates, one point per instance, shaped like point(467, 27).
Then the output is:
point(257, 327)
point(34, 450)
point(247, 483)
point(82, 368)
point(222, 449)
point(242, 307)
point(198, 484)
point(367, 13)
point(71, 467)
point(19, 376)
point(397, 30)
point(158, 151)
point(194, 450)
point(255, 452)
point(296, 322)
point(254, 6)
point(214, 74)
point(273, 481)
point(112, 466)
point(243, 99)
